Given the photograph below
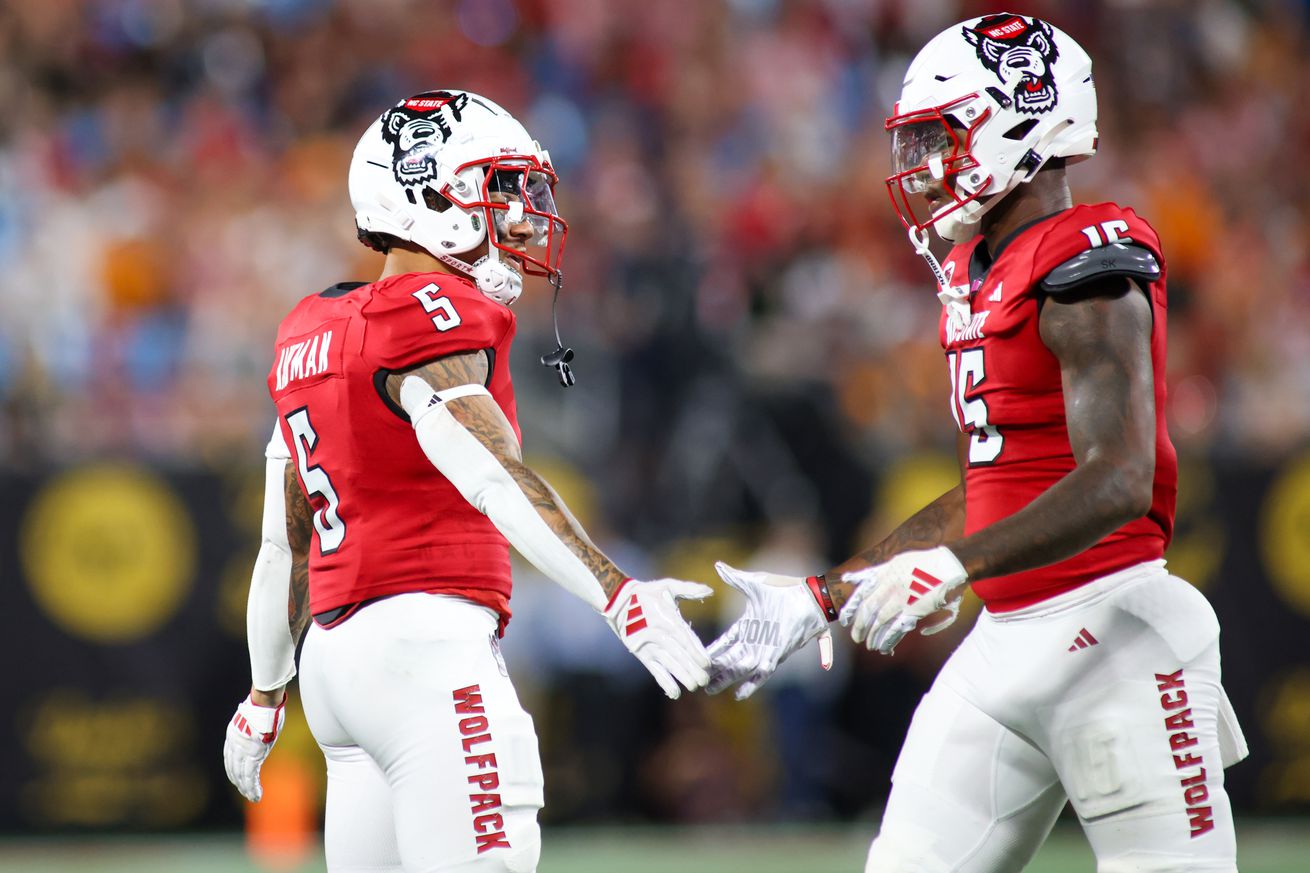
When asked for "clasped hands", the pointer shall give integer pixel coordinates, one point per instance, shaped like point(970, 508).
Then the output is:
point(783, 613)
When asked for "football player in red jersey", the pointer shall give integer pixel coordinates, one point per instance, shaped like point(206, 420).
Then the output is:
point(389, 517)
point(1093, 675)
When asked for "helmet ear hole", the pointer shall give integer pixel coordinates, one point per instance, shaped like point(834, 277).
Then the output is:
point(1020, 130)
point(434, 201)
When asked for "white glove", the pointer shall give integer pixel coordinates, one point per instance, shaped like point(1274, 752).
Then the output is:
point(782, 614)
point(892, 597)
point(646, 618)
point(250, 737)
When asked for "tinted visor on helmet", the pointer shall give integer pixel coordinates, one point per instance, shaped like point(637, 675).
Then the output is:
point(928, 152)
point(919, 152)
point(518, 194)
point(532, 189)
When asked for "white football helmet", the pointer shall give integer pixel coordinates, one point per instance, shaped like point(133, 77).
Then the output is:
point(984, 106)
point(451, 171)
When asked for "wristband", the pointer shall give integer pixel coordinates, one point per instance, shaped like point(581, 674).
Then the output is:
point(819, 588)
point(615, 596)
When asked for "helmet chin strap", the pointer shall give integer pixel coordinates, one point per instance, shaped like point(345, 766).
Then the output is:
point(560, 358)
point(960, 224)
point(494, 278)
point(954, 298)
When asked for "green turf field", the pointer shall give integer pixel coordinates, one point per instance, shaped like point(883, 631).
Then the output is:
point(1265, 847)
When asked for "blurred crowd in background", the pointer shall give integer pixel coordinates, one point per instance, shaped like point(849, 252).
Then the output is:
point(173, 177)
point(756, 338)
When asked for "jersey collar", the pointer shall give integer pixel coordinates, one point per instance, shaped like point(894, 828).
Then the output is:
point(982, 259)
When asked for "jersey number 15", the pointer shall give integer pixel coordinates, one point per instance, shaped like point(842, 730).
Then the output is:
point(968, 370)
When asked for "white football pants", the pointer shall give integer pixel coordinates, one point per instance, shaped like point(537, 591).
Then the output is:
point(1108, 696)
point(432, 763)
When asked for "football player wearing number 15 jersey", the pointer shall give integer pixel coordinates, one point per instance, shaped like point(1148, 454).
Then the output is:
point(394, 488)
point(1093, 675)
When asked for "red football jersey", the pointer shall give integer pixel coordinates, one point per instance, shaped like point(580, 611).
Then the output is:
point(385, 521)
point(1006, 395)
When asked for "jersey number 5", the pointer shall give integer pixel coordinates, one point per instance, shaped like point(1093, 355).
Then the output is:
point(970, 413)
point(445, 317)
point(327, 520)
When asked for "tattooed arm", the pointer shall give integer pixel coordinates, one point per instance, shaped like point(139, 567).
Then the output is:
point(937, 523)
point(483, 418)
point(300, 527)
point(467, 438)
point(1102, 339)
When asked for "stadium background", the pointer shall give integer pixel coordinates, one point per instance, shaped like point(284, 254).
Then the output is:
point(758, 381)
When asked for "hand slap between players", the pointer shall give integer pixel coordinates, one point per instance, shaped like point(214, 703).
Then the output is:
point(892, 597)
point(645, 616)
point(250, 737)
point(782, 614)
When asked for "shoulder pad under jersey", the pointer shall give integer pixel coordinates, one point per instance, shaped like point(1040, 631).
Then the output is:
point(416, 319)
point(1114, 259)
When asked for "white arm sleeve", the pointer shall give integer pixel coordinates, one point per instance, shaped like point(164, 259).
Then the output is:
point(483, 480)
point(277, 448)
point(268, 633)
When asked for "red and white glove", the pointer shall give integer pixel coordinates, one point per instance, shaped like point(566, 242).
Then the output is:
point(783, 613)
point(891, 598)
point(250, 737)
point(645, 616)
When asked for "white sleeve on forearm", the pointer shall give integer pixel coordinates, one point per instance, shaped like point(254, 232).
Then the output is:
point(268, 633)
point(483, 480)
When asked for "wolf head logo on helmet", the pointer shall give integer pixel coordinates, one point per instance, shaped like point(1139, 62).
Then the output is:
point(1021, 53)
point(411, 128)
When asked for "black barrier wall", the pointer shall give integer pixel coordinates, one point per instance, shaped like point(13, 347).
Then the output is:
point(123, 625)
point(122, 629)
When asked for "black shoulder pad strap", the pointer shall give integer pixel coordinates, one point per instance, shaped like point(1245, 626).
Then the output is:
point(341, 289)
point(380, 380)
point(1115, 259)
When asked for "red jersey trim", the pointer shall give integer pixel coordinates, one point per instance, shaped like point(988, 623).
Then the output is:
point(1022, 599)
point(493, 600)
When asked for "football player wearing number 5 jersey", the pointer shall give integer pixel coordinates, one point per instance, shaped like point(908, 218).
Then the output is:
point(395, 486)
point(1093, 675)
